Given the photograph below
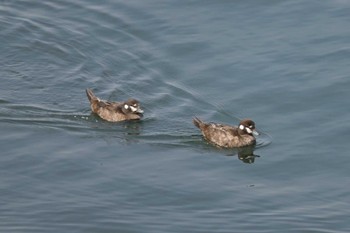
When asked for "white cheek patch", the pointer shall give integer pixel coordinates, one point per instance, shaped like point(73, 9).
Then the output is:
point(133, 109)
point(248, 130)
point(241, 127)
point(126, 106)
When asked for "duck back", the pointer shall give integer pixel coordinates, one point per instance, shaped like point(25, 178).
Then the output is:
point(223, 135)
point(110, 111)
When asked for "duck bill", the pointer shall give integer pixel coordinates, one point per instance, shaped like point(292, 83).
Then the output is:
point(256, 133)
point(139, 110)
point(136, 109)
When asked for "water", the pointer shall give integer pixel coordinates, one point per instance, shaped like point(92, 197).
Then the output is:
point(285, 64)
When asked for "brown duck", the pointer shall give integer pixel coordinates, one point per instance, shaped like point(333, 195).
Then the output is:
point(226, 135)
point(114, 111)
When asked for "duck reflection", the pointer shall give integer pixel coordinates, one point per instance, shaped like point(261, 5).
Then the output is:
point(132, 128)
point(126, 132)
point(245, 154)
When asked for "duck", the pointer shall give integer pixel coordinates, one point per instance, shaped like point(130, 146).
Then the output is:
point(115, 111)
point(228, 136)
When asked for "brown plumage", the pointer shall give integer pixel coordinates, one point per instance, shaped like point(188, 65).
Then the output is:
point(114, 111)
point(226, 135)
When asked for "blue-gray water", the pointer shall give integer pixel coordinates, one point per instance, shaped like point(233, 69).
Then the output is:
point(285, 64)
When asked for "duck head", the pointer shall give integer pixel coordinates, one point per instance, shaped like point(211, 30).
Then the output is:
point(132, 106)
point(248, 126)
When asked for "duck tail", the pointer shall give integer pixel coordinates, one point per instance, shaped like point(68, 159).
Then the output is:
point(91, 96)
point(197, 122)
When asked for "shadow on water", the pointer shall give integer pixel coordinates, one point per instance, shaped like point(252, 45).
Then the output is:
point(244, 154)
point(137, 132)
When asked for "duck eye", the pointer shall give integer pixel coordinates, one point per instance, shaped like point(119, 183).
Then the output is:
point(251, 126)
point(135, 105)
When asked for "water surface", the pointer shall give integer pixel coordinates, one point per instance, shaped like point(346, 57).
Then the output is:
point(283, 64)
